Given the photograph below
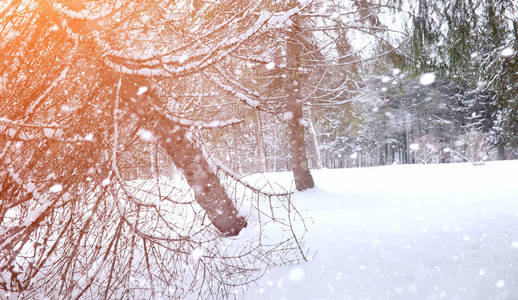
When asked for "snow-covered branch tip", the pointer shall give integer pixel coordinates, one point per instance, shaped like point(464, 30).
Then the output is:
point(239, 95)
point(197, 123)
point(10, 123)
point(84, 14)
point(170, 65)
point(219, 166)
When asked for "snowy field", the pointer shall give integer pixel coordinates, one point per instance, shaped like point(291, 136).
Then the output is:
point(445, 231)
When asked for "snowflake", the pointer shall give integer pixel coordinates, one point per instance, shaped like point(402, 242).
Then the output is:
point(507, 52)
point(427, 78)
point(142, 90)
point(56, 188)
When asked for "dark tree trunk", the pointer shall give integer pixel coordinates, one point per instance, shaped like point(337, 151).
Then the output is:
point(299, 159)
point(208, 191)
point(187, 156)
point(501, 151)
point(261, 165)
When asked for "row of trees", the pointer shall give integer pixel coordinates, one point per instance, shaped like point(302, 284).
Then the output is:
point(385, 114)
point(464, 109)
point(445, 95)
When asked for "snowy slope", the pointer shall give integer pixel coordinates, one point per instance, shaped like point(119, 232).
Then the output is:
point(405, 232)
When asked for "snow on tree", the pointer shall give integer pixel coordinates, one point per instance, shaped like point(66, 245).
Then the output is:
point(455, 76)
point(92, 91)
point(309, 62)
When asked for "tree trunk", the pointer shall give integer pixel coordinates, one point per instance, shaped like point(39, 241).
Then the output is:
point(260, 148)
point(209, 193)
point(501, 151)
point(299, 160)
point(317, 159)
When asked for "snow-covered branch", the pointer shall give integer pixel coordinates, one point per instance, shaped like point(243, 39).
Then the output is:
point(8, 6)
point(197, 123)
point(10, 123)
point(172, 64)
point(84, 14)
point(239, 95)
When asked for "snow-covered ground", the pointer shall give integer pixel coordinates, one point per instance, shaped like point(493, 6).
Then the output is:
point(445, 231)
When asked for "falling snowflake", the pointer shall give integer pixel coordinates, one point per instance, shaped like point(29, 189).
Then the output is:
point(500, 284)
point(142, 90)
point(270, 65)
point(296, 274)
point(145, 135)
point(507, 52)
point(427, 78)
point(56, 188)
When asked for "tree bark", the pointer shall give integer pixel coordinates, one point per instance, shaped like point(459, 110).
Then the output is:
point(209, 193)
point(501, 151)
point(317, 159)
point(299, 160)
point(260, 148)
